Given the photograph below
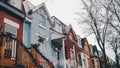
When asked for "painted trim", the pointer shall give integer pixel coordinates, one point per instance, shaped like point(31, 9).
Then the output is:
point(42, 26)
point(42, 35)
point(10, 22)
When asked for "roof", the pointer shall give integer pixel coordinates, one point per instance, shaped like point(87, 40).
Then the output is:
point(53, 18)
point(28, 6)
point(94, 49)
point(12, 10)
point(42, 5)
point(70, 27)
point(83, 41)
point(31, 8)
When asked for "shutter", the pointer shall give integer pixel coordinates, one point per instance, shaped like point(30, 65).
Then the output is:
point(11, 29)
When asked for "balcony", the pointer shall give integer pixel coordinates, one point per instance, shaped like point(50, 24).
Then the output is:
point(7, 49)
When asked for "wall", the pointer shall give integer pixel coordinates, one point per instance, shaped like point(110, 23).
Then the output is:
point(87, 49)
point(27, 33)
point(96, 62)
point(16, 20)
point(35, 28)
point(84, 57)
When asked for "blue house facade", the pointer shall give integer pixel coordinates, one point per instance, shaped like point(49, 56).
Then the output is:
point(57, 37)
point(40, 30)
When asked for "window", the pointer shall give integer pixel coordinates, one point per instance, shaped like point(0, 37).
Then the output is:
point(43, 17)
point(80, 59)
point(70, 37)
point(42, 21)
point(93, 64)
point(98, 64)
point(85, 65)
point(42, 44)
point(58, 27)
point(0, 40)
point(10, 47)
point(10, 43)
point(72, 54)
point(57, 51)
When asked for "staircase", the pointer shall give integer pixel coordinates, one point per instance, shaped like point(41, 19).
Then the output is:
point(26, 58)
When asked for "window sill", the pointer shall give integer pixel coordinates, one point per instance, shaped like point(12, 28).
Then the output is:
point(42, 26)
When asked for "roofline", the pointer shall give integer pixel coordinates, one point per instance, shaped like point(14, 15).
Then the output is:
point(13, 10)
point(58, 20)
point(43, 4)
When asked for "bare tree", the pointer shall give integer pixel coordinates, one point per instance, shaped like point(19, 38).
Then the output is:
point(97, 18)
point(114, 7)
point(113, 41)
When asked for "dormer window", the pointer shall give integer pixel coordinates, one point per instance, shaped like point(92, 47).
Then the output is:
point(43, 18)
point(58, 26)
point(79, 42)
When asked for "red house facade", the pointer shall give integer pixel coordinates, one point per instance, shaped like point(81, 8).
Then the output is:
point(71, 49)
point(11, 26)
point(86, 48)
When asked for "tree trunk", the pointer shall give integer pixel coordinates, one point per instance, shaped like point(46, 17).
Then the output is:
point(117, 59)
point(105, 58)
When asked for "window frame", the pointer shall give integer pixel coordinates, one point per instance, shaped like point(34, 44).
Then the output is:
point(79, 59)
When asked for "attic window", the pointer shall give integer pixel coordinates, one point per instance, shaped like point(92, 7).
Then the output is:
point(42, 22)
point(42, 12)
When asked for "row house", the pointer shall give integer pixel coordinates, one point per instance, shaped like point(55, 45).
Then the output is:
point(40, 33)
point(95, 57)
point(67, 45)
point(24, 37)
point(58, 32)
point(37, 36)
point(72, 49)
point(11, 24)
point(30, 38)
point(34, 40)
point(86, 55)
point(13, 53)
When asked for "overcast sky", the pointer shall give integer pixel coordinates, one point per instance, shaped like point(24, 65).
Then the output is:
point(65, 11)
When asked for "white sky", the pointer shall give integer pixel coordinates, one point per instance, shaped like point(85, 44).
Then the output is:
point(65, 11)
